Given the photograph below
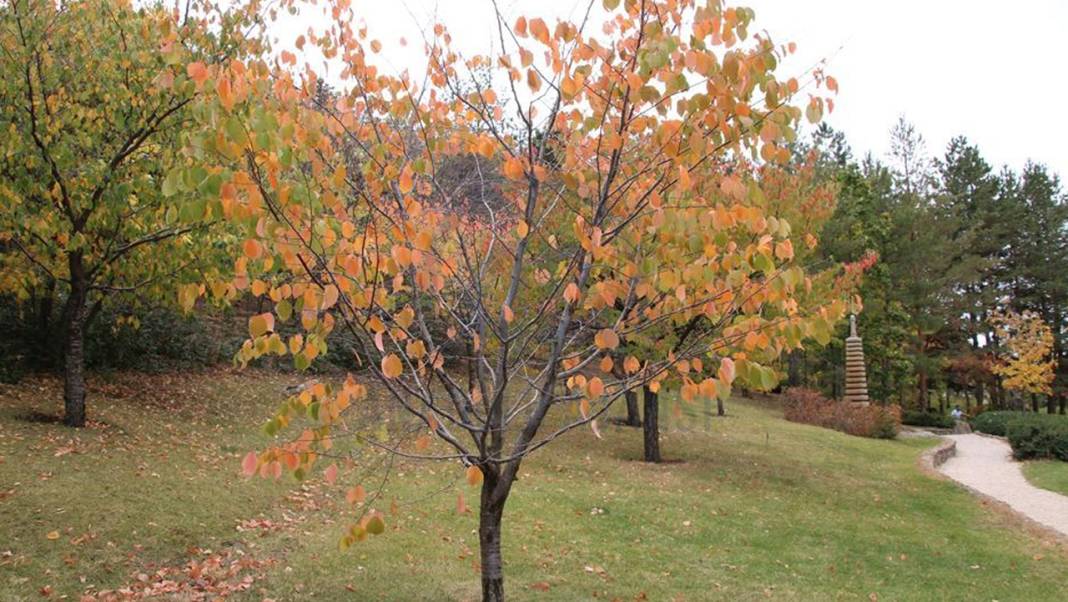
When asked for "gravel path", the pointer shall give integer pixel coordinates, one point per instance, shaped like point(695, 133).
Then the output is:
point(985, 464)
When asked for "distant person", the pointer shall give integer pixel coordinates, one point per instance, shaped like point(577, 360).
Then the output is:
point(960, 425)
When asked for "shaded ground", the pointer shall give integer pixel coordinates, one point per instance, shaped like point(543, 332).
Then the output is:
point(149, 500)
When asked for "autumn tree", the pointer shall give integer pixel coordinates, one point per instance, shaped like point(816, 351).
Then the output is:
point(640, 132)
point(1026, 362)
point(93, 95)
point(1035, 266)
point(791, 205)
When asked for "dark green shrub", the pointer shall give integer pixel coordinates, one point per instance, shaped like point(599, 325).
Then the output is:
point(930, 419)
point(994, 423)
point(1038, 436)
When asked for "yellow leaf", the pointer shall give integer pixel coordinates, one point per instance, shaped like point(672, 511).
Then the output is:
point(53, 535)
point(405, 317)
point(415, 349)
point(261, 324)
point(392, 366)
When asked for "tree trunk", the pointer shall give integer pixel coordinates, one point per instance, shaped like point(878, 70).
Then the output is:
point(720, 410)
point(1034, 403)
point(633, 417)
point(923, 401)
point(74, 350)
point(793, 370)
point(651, 425)
point(1063, 402)
point(489, 543)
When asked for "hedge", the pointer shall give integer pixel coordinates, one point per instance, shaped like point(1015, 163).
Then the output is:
point(994, 423)
point(928, 419)
point(1038, 436)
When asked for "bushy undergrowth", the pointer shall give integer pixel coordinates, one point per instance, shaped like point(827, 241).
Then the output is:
point(142, 339)
point(994, 423)
point(1030, 435)
point(930, 419)
point(1038, 436)
point(809, 406)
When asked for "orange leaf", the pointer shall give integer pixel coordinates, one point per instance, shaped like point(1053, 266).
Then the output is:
point(249, 464)
point(253, 249)
point(595, 387)
point(407, 180)
point(533, 80)
point(197, 71)
point(606, 339)
point(356, 495)
point(330, 296)
point(513, 169)
point(474, 475)
point(571, 292)
point(539, 30)
point(330, 474)
point(392, 366)
point(606, 364)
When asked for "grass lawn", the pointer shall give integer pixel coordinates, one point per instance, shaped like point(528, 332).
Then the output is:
point(754, 507)
point(1048, 474)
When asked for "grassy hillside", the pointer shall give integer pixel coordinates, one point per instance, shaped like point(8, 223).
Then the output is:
point(752, 507)
point(1048, 474)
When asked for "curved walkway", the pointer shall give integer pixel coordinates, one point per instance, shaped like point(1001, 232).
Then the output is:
point(985, 464)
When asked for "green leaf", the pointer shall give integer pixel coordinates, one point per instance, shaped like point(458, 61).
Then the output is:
point(171, 182)
point(284, 309)
point(375, 525)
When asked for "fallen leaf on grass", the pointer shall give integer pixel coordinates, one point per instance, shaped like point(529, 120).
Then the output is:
point(53, 535)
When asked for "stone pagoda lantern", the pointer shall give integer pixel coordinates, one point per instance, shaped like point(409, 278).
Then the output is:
point(856, 380)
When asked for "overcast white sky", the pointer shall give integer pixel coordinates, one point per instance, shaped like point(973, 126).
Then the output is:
point(993, 71)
